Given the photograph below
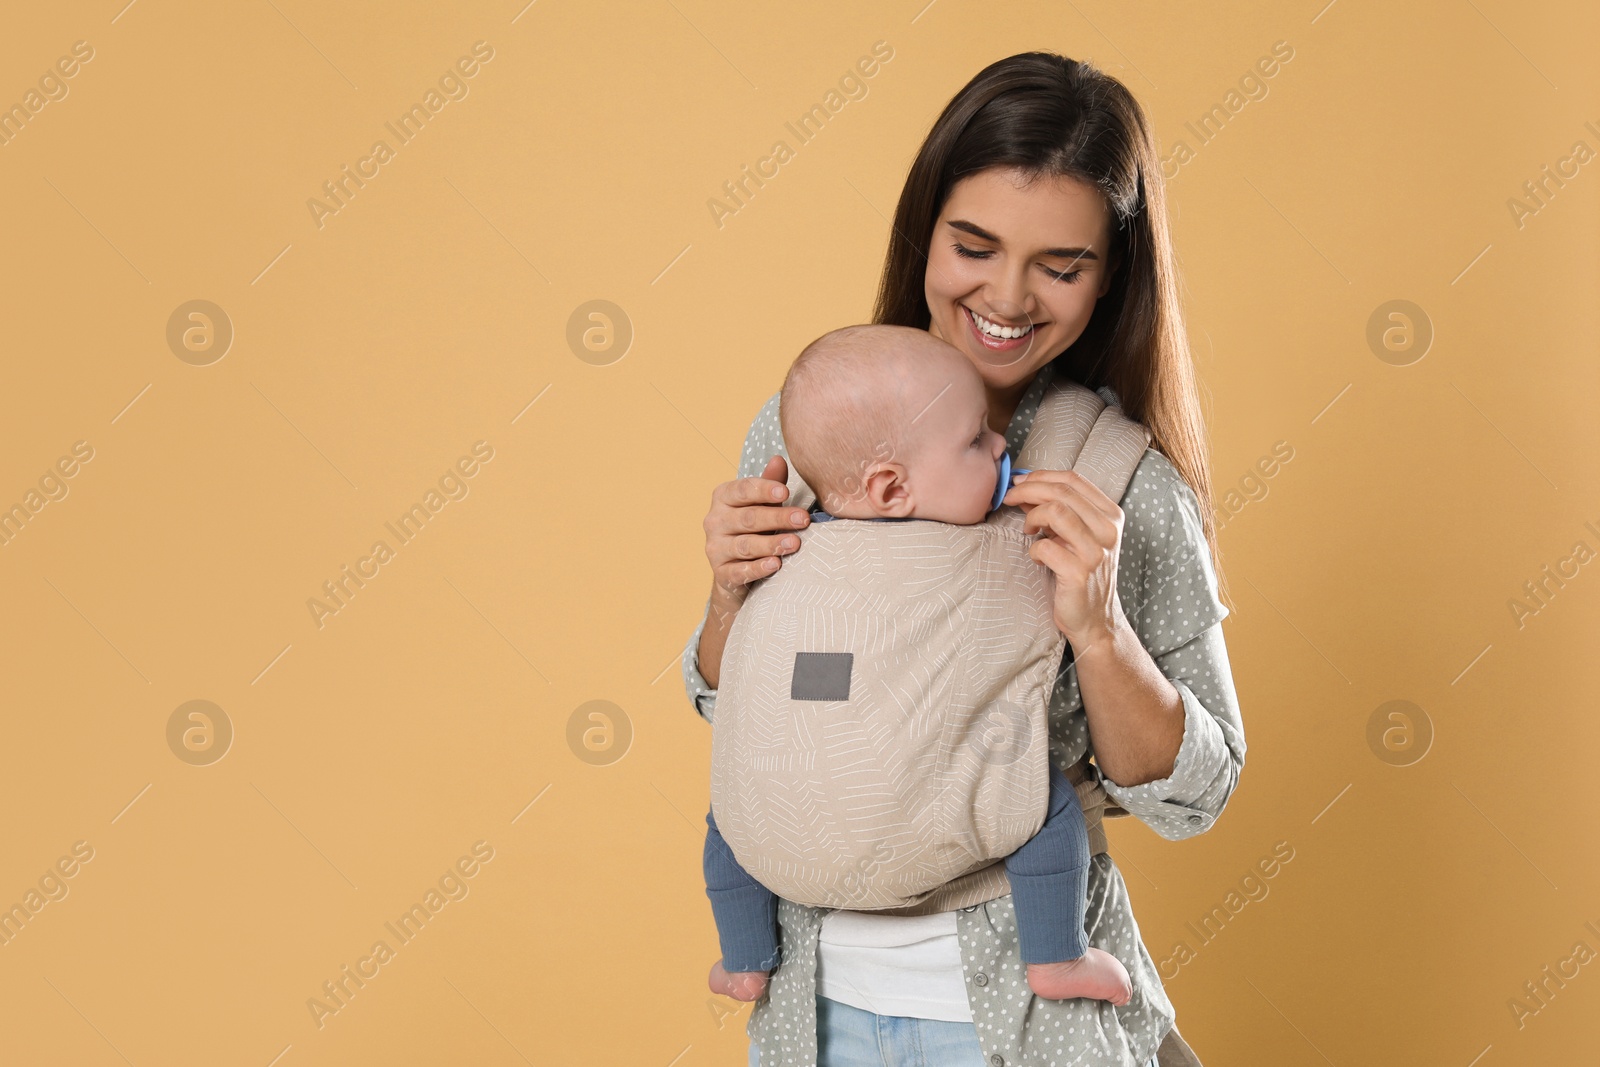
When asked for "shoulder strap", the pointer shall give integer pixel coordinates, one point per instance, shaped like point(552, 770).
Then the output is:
point(1076, 429)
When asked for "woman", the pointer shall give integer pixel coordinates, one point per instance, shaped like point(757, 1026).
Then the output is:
point(1032, 235)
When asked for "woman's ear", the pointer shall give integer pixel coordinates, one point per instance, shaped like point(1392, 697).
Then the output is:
point(1109, 276)
point(1115, 259)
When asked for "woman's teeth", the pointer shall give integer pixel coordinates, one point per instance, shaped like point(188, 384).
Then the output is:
point(997, 331)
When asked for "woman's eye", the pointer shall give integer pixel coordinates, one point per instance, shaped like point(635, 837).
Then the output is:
point(1068, 276)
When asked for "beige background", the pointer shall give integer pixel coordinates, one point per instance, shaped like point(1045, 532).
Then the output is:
point(430, 312)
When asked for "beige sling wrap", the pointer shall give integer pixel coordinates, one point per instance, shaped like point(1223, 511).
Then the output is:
point(881, 733)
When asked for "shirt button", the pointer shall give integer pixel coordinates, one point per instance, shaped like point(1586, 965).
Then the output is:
point(1197, 818)
point(973, 908)
point(997, 1060)
point(980, 978)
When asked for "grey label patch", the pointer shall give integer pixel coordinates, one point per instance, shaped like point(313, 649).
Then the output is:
point(821, 676)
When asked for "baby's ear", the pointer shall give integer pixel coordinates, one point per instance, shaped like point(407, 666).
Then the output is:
point(886, 490)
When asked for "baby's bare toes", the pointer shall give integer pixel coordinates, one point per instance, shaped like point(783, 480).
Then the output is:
point(740, 985)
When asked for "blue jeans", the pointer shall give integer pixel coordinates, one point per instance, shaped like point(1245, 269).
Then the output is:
point(850, 1037)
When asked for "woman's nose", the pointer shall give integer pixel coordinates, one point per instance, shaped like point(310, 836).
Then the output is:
point(1011, 299)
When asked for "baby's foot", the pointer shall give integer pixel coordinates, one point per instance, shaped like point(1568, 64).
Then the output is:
point(745, 985)
point(1097, 975)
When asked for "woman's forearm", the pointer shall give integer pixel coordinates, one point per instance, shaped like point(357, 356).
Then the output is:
point(719, 620)
point(1135, 714)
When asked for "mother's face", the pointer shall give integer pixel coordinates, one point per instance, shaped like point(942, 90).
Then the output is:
point(1014, 270)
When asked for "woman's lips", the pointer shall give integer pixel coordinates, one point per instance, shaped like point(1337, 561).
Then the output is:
point(996, 344)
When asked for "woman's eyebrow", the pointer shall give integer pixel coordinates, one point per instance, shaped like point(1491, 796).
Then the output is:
point(1058, 253)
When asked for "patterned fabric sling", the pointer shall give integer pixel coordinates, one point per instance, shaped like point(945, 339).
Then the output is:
point(881, 735)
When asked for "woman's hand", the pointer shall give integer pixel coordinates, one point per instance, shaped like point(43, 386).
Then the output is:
point(742, 548)
point(1083, 536)
point(740, 542)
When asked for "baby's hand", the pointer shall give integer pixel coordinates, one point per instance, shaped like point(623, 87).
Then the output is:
point(740, 985)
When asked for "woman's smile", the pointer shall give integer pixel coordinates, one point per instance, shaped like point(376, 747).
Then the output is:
point(997, 335)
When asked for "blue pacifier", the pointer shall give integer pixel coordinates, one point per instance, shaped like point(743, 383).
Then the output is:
point(1004, 482)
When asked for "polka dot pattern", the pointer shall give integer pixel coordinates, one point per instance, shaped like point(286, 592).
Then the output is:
point(1169, 595)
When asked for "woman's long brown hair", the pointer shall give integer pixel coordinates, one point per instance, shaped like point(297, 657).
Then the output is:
point(1050, 116)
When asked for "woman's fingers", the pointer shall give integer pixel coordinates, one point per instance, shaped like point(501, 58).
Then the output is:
point(766, 515)
point(777, 470)
point(1066, 502)
point(748, 530)
point(1039, 486)
point(742, 533)
point(751, 546)
point(1050, 552)
point(737, 574)
point(753, 559)
point(757, 517)
point(744, 492)
point(1068, 517)
point(1062, 520)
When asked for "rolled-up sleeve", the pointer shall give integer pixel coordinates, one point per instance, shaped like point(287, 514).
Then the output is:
point(1178, 617)
point(1190, 799)
point(762, 441)
point(701, 695)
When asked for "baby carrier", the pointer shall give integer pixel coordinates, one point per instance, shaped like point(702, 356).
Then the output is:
point(881, 737)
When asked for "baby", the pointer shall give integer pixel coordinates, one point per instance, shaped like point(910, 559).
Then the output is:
point(889, 424)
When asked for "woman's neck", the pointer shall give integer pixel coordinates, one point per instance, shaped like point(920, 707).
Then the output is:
point(1003, 406)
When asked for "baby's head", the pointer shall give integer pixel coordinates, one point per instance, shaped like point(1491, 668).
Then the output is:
point(891, 422)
